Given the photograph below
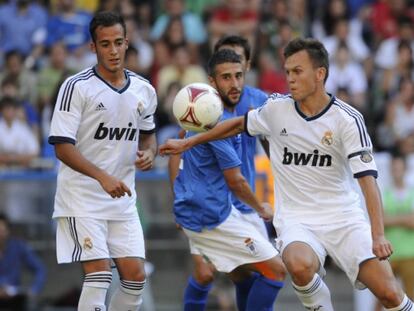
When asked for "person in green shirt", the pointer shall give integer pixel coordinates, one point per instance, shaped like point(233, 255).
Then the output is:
point(399, 223)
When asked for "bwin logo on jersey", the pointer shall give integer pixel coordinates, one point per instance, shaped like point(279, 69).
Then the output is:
point(300, 158)
point(116, 133)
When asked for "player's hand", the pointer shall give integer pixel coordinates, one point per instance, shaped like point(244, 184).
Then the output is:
point(145, 160)
point(381, 247)
point(114, 187)
point(174, 146)
point(266, 212)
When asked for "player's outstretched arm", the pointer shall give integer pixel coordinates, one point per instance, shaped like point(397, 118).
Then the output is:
point(147, 152)
point(222, 130)
point(381, 246)
point(240, 187)
point(70, 155)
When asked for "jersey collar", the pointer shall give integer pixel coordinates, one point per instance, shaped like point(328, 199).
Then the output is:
point(120, 91)
point(320, 114)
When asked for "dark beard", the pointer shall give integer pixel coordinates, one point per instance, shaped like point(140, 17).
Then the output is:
point(228, 103)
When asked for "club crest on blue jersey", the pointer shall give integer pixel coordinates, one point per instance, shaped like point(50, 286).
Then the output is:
point(250, 246)
point(327, 138)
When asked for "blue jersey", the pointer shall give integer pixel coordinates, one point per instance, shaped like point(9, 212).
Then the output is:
point(202, 197)
point(251, 98)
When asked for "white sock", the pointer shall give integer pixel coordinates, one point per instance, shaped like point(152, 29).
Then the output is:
point(127, 297)
point(315, 295)
point(406, 305)
point(95, 286)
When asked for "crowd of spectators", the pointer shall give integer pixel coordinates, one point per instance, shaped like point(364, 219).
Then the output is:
point(370, 43)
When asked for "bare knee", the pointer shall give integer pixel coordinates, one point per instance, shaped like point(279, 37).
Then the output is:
point(302, 265)
point(203, 274)
point(390, 294)
point(131, 269)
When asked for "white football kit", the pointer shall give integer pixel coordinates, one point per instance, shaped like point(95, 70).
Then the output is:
point(313, 161)
point(104, 124)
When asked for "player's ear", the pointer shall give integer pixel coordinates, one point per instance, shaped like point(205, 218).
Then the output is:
point(212, 82)
point(248, 63)
point(93, 47)
point(126, 43)
point(321, 74)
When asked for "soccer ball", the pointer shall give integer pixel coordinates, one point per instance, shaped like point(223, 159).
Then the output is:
point(197, 107)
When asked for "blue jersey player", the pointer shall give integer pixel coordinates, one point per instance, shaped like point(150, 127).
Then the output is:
point(249, 98)
point(208, 179)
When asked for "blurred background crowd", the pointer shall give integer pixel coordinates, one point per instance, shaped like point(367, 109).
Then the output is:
point(370, 43)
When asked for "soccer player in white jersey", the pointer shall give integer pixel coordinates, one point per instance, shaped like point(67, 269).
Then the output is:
point(317, 144)
point(102, 129)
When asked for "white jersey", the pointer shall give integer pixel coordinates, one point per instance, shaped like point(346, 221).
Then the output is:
point(312, 159)
point(104, 124)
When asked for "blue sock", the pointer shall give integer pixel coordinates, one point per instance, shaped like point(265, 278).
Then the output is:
point(195, 295)
point(243, 289)
point(263, 294)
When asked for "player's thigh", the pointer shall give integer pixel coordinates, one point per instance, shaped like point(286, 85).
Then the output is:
point(349, 244)
point(126, 239)
point(256, 221)
point(130, 268)
point(377, 275)
point(81, 239)
point(272, 268)
point(301, 250)
point(203, 270)
point(231, 244)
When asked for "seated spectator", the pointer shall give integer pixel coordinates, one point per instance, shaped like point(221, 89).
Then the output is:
point(174, 36)
point(403, 69)
point(399, 223)
point(23, 29)
point(271, 78)
point(359, 51)
point(194, 29)
point(143, 48)
point(27, 113)
point(387, 52)
point(71, 26)
point(15, 255)
point(14, 67)
point(18, 145)
point(234, 17)
point(397, 130)
point(346, 73)
point(180, 70)
point(275, 16)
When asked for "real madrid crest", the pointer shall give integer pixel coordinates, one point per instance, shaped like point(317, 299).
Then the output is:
point(327, 138)
point(140, 108)
point(366, 156)
point(87, 243)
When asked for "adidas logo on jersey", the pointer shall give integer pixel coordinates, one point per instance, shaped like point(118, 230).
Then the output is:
point(116, 133)
point(300, 158)
point(283, 132)
point(100, 107)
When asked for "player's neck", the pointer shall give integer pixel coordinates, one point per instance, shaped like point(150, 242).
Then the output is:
point(314, 104)
point(116, 79)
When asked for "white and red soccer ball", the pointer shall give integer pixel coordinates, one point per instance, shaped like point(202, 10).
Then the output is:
point(197, 107)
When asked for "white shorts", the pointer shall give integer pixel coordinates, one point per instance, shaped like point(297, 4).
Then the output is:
point(251, 218)
point(348, 243)
point(83, 239)
point(231, 244)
